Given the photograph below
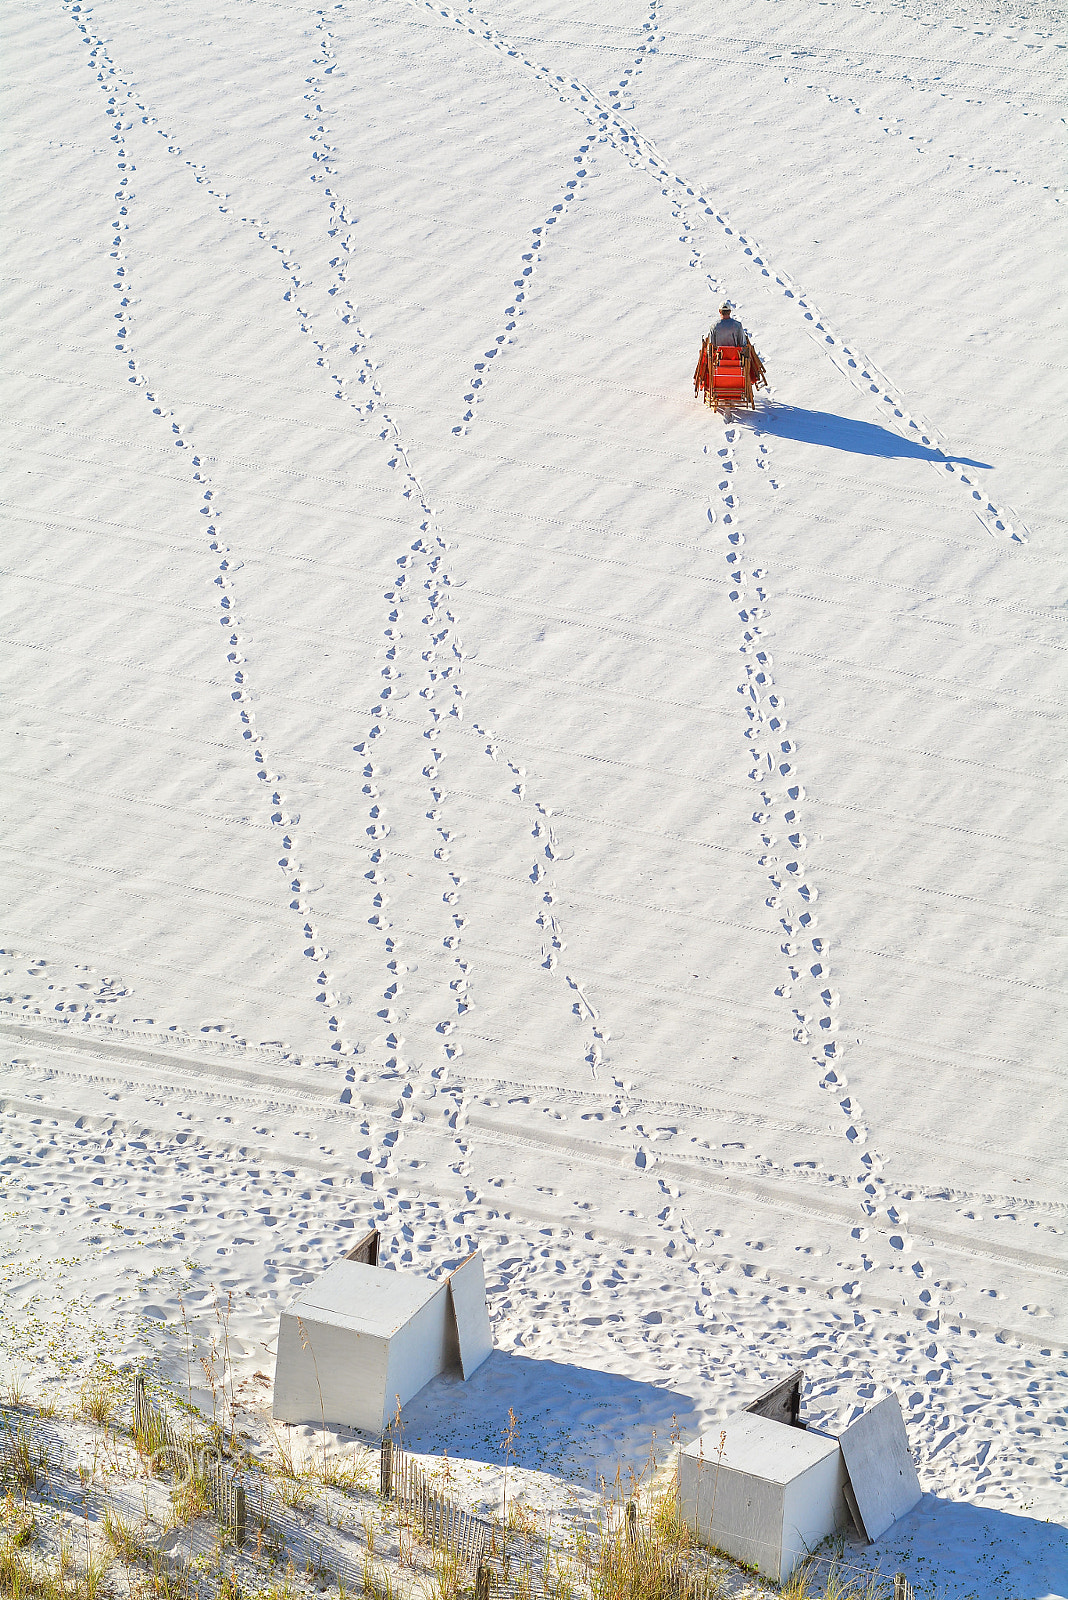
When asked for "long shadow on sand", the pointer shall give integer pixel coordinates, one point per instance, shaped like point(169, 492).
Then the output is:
point(574, 1422)
point(831, 432)
point(580, 1424)
point(959, 1551)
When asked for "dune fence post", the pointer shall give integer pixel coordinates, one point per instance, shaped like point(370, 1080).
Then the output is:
point(385, 1476)
point(238, 1517)
point(140, 1406)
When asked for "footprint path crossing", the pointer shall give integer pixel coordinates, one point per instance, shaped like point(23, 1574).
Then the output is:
point(845, 355)
point(435, 581)
point(423, 664)
point(573, 190)
point(421, 564)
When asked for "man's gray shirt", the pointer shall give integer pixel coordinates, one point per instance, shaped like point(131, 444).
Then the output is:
point(728, 331)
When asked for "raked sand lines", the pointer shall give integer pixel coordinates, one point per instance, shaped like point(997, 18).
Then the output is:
point(322, 157)
point(435, 583)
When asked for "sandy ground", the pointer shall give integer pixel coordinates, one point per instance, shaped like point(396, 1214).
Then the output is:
point(456, 782)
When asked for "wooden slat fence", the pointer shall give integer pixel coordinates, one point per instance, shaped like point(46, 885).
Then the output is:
point(903, 1589)
point(227, 1495)
point(153, 1429)
point(157, 1434)
point(445, 1524)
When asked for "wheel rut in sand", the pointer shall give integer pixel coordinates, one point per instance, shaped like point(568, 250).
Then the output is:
point(244, 1200)
point(167, 1081)
point(819, 69)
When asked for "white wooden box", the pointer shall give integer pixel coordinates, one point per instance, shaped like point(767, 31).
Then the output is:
point(769, 1496)
point(363, 1339)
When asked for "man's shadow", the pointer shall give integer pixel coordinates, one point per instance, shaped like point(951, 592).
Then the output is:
point(574, 1422)
point(831, 432)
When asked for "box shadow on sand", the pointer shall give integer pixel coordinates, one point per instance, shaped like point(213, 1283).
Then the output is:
point(973, 1547)
point(574, 1422)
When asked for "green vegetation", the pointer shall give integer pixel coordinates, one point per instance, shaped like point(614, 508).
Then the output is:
point(636, 1546)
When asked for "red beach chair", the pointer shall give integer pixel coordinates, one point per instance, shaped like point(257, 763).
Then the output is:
point(727, 375)
point(730, 378)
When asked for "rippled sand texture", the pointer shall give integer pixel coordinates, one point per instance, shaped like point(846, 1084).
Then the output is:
point(455, 781)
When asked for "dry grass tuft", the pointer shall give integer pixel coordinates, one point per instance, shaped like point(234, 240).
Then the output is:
point(835, 1583)
point(448, 1577)
point(99, 1399)
point(284, 1467)
point(163, 1582)
point(12, 1395)
point(123, 1539)
point(18, 1522)
point(522, 1519)
point(21, 1460)
point(192, 1498)
point(348, 1474)
point(647, 1552)
point(296, 1493)
point(152, 1439)
point(24, 1578)
point(229, 1587)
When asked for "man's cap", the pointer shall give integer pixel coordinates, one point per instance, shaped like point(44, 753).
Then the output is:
point(725, 309)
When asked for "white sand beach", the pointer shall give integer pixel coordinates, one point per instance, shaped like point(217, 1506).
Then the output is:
point(457, 783)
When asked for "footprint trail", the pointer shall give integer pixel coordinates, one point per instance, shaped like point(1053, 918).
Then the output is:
point(807, 985)
point(686, 199)
point(124, 112)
